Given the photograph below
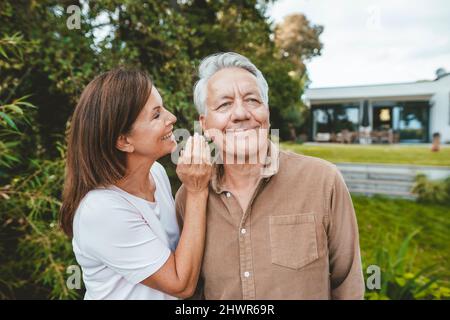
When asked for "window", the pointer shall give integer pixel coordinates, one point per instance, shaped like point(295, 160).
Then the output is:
point(335, 118)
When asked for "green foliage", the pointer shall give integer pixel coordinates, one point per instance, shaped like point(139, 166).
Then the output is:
point(10, 114)
point(390, 238)
point(44, 66)
point(12, 111)
point(399, 281)
point(429, 191)
point(34, 252)
point(37, 266)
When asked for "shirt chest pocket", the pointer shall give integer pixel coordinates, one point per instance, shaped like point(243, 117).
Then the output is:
point(293, 240)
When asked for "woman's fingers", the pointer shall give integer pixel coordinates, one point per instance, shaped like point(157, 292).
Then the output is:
point(187, 158)
point(196, 149)
point(195, 169)
point(207, 154)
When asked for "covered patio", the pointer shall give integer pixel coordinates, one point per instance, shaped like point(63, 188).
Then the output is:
point(386, 113)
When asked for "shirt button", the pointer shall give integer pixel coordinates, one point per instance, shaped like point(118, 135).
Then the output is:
point(228, 194)
point(243, 231)
point(246, 274)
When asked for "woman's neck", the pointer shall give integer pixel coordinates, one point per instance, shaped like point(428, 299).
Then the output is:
point(137, 180)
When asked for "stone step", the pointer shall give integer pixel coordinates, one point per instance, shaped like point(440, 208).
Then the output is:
point(384, 185)
point(388, 180)
point(348, 174)
point(402, 172)
point(392, 176)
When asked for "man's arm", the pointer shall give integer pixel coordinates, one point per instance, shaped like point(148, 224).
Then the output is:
point(347, 281)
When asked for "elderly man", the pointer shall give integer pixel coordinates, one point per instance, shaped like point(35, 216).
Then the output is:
point(281, 227)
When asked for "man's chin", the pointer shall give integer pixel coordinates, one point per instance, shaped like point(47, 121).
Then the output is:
point(243, 157)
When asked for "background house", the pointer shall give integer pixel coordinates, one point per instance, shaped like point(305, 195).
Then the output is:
point(399, 112)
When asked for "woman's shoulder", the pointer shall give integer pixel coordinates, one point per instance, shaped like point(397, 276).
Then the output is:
point(158, 169)
point(102, 196)
point(102, 202)
point(159, 173)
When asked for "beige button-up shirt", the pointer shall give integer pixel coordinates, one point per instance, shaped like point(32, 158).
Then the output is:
point(298, 238)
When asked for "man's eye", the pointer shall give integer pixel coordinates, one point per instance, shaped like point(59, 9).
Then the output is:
point(226, 104)
point(253, 100)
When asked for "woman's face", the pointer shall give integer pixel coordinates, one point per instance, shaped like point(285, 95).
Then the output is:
point(151, 134)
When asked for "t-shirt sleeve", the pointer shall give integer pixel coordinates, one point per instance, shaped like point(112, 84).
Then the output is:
point(114, 232)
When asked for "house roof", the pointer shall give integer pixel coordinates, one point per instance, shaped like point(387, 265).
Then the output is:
point(419, 90)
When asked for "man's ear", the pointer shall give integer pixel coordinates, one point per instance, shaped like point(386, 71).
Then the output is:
point(201, 118)
point(123, 144)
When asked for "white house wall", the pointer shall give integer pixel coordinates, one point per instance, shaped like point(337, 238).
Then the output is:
point(437, 92)
point(440, 110)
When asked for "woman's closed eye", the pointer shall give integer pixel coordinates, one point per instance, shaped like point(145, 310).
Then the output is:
point(156, 113)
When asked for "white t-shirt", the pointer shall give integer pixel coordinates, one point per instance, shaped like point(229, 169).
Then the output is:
point(120, 239)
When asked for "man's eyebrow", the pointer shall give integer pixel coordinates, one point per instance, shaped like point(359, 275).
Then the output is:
point(251, 92)
point(225, 96)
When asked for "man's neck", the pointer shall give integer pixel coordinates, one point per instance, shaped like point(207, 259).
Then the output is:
point(241, 176)
point(244, 176)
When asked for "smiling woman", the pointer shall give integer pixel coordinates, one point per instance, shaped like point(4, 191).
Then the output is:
point(117, 202)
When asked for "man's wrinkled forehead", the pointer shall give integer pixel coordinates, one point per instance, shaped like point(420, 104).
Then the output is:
point(228, 80)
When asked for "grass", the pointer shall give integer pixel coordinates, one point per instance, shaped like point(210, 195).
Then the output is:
point(393, 154)
point(387, 222)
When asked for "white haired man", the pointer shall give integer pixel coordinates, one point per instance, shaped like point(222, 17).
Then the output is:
point(282, 227)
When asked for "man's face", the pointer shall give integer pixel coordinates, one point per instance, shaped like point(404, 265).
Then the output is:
point(236, 118)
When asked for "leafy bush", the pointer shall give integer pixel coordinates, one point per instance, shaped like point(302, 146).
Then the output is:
point(432, 191)
point(401, 281)
point(35, 253)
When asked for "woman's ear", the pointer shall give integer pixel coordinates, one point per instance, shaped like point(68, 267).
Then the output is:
point(123, 144)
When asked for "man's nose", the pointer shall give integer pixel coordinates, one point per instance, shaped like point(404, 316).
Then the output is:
point(239, 111)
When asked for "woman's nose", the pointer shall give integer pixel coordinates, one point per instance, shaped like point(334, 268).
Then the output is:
point(171, 119)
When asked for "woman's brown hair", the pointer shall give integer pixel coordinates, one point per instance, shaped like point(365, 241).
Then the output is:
point(108, 107)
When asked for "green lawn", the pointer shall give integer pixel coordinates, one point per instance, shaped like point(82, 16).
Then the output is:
point(395, 154)
point(386, 222)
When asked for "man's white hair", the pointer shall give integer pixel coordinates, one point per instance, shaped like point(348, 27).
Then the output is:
point(213, 63)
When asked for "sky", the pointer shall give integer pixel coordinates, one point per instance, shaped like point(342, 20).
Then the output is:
point(373, 42)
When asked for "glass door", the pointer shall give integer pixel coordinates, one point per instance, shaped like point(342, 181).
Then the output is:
point(414, 122)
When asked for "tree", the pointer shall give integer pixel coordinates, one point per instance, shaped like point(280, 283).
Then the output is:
point(49, 64)
point(298, 40)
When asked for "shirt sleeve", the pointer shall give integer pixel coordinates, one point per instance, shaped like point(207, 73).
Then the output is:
point(114, 232)
point(180, 201)
point(346, 276)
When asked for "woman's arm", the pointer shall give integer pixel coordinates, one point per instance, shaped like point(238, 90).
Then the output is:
point(179, 275)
